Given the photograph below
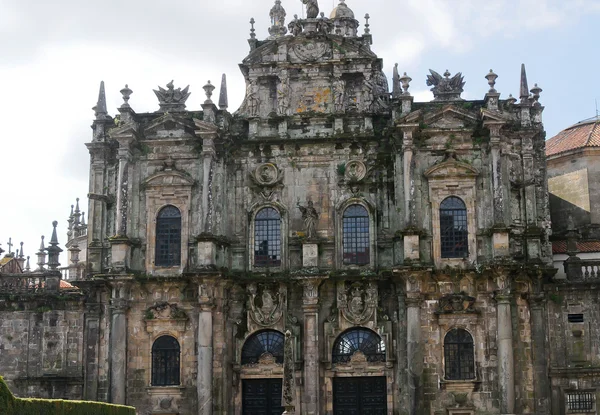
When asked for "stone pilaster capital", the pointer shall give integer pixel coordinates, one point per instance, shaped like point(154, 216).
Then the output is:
point(119, 305)
point(206, 294)
point(413, 300)
point(310, 295)
point(503, 296)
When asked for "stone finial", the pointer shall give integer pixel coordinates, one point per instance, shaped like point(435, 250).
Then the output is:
point(100, 110)
point(535, 91)
point(10, 245)
point(21, 251)
point(41, 255)
point(277, 15)
point(208, 90)
point(524, 94)
point(53, 250)
point(252, 29)
point(1, 250)
point(27, 265)
point(446, 88)
point(367, 25)
point(172, 99)
point(511, 100)
point(126, 92)
point(405, 80)
point(396, 91)
point(223, 99)
point(491, 78)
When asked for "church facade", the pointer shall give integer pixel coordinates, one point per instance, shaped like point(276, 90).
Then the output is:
point(329, 248)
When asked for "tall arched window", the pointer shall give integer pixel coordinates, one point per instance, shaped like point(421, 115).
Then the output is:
point(458, 355)
point(453, 228)
point(267, 238)
point(355, 231)
point(266, 344)
point(360, 340)
point(168, 237)
point(165, 361)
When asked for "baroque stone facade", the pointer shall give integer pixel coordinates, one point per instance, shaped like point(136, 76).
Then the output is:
point(330, 247)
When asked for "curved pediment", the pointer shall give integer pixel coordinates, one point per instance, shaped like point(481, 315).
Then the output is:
point(451, 168)
point(169, 178)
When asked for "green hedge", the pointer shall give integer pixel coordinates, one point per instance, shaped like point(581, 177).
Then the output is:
point(11, 405)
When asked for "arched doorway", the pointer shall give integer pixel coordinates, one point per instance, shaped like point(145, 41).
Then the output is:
point(355, 395)
point(262, 396)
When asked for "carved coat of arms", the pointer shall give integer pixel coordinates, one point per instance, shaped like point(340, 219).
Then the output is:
point(358, 303)
point(266, 304)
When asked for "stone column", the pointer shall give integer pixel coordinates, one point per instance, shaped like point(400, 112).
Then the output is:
point(310, 307)
point(123, 190)
point(118, 342)
point(414, 351)
point(208, 132)
point(205, 350)
point(506, 365)
point(91, 340)
point(541, 385)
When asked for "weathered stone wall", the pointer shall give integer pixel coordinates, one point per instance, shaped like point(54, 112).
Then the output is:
point(41, 345)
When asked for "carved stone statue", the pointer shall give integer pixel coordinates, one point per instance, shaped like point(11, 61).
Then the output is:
point(446, 88)
point(295, 26)
point(252, 100)
point(312, 8)
point(339, 89)
point(283, 97)
point(310, 217)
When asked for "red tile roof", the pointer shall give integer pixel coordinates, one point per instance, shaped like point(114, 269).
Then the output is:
point(560, 247)
point(583, 134)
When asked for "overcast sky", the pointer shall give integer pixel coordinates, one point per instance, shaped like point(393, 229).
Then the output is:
point(53, 56)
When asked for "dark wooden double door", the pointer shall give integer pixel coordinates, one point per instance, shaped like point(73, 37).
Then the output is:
point(360, 396)
point(261, 397)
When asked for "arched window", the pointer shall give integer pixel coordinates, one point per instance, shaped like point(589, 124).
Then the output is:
point(458, 355)
point(355, 230)
point(360, 340)
point(453, 228)
point(267, 238)
point(165, 361)
point(267, 344)
point(168, 237)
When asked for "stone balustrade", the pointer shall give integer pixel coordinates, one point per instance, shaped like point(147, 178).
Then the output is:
point(20, 283)
point(582, 270)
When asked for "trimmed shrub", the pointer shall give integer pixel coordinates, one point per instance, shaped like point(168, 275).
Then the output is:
point(11, 405)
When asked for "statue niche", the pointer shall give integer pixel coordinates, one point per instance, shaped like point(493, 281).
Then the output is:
point(266, 304)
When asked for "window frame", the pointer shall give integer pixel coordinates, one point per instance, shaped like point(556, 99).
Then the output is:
point(274, 246)
point(452, 237)
point(256, 335)
point(173, 371)
point(176, 244)
point(380, 356)
point(460, 353)
point(356, 236)
point(251, 237)
point(340, 209)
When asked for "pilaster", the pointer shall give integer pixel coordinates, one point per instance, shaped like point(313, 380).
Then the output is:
point(119, 304)
point(310, 307)
point(205, 347)
point(541, 385)
point(506, 365)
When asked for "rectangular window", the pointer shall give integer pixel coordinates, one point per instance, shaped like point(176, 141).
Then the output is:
point(575, 318)
point(580, 401)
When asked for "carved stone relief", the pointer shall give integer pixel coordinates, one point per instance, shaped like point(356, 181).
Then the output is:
point(357, 302)
point(266, 303)
point(311, 51)
point(456, 303)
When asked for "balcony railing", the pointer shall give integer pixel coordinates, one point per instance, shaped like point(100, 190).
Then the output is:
point(582, 269)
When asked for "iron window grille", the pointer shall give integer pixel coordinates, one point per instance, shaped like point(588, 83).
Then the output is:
point(355, 231)
point(453, 228)
point(267, 342)
point(580, 401)
point(168, 237)
point(358, 340)
point(267, 238)
point(459, 355)
point(165, 361)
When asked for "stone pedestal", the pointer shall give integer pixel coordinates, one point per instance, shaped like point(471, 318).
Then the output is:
point(310, 255)
point(338, 126)
point(205, 351)
point(120, 248)
point(506, 368)
point(283, 129)
point(411, 247)
point(253, 128)
point(500, 242)
point(368, 124)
